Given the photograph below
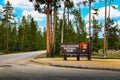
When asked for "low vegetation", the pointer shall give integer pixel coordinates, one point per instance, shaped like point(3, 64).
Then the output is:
point(111, 54)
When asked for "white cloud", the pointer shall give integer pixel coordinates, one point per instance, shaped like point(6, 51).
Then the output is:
point(60, 13)
point(114, 13)
point(118, 22)
point(37, 16)
point(77, 1)
point(1, 8)
point(27, 9)
point(21, 4)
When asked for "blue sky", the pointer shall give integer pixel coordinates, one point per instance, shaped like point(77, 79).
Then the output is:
point(24, 7)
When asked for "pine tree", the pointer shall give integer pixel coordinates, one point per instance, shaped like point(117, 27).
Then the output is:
point(41, 39)
point(58, 35)
point(113, 35)
point(13, 39)
point(96, 29)
point(80, 27)
point(33, 32)
point(7, 18)
point(20, 43)
point(2, 37)
point(71, 33)
point(25, 24)
point(38, 40)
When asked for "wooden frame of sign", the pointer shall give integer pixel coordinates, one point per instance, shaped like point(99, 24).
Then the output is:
point(75, 49)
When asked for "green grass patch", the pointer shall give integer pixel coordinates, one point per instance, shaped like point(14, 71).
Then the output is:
point(114, 56)
point(1, 54)
point(109, 56)
point(95, 56)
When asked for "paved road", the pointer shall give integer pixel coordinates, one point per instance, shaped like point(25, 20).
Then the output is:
point(18, 67)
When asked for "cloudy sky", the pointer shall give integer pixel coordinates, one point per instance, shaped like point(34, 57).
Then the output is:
point(24, 7)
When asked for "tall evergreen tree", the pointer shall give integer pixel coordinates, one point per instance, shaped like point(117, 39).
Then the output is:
point(58, 35)
point(69, 5)
point(39, 40)
point(44, 39)
point(80, 27)
point(33, 32)
point(29, 37)
point(71, 32)
point(96, 28)
point(7, 17)
point(13, 39)
point(20, 43)
point(113, 35)
point(25, 25)
point(2, 37)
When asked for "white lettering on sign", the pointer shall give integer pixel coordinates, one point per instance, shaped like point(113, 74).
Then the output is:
point(70, 48)
point(69, 45)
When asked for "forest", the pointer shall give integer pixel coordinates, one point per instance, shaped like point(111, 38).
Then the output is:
point(26, 35)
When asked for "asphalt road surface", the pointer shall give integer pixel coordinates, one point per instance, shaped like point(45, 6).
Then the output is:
point(19, 67)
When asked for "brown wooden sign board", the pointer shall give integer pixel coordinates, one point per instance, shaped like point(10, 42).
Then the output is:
point(77, 49)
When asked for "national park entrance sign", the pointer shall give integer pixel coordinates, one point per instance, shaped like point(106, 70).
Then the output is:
point(75, 49)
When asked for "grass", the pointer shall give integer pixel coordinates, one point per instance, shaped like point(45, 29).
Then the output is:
point(95, 56)
point(109, 56)
point(114, 56)
point(1, 54)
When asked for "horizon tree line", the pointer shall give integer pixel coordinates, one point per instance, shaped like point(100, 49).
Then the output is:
point(27, 36)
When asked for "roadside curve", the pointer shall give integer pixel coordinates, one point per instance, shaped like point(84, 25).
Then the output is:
point(98, 64)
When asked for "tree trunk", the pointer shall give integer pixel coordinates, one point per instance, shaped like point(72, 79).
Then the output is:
point(51, 30)
point(48, 31)
point(105, 44)
point(109, 9)
point(90, 21)
point(63, 23)
point(54, 30)
point(7, 37)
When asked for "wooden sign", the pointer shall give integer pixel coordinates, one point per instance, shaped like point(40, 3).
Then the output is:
point(76, 49)
point(70, 47)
